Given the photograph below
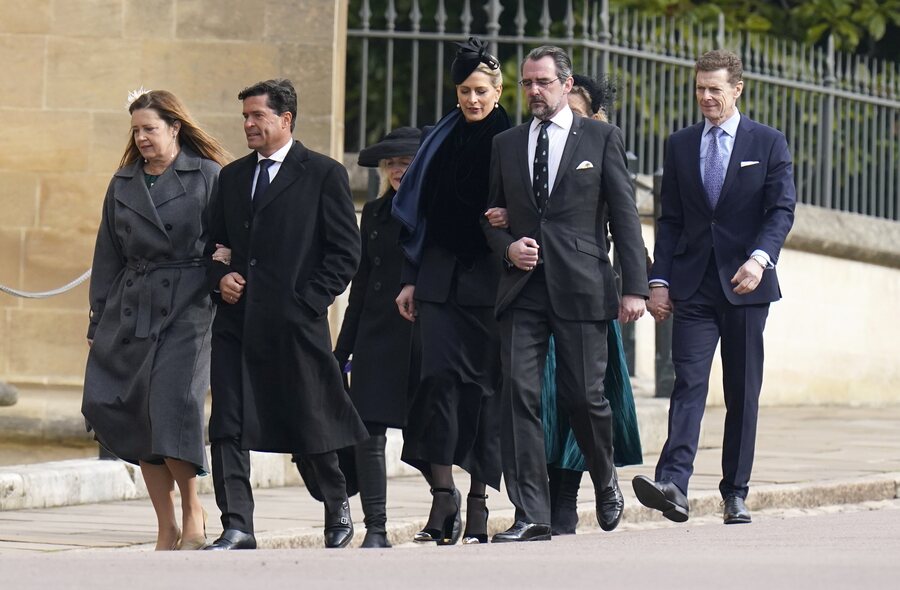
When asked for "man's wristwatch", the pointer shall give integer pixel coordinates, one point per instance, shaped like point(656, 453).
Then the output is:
point(761, 261)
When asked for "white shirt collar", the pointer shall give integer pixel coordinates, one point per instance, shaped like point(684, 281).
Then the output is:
point(279, 155)
point(730, 126)
point(563, 119)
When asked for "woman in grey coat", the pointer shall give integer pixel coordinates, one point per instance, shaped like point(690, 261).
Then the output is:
point(148, 367)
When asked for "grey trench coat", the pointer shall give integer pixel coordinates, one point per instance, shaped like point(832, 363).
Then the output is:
point(148, 368)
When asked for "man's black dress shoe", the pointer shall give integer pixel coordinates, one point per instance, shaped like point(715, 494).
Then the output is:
point(610, 504)
point(523, 531)
point(338, 527)
point(663, 496)
point(736, 511)
point(232, 539)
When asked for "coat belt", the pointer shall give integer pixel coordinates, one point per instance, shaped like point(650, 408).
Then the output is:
point(143, 268)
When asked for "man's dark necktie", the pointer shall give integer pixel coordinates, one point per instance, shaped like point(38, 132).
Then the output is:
point(262, 180)
point(713, 174)
point(541, 181)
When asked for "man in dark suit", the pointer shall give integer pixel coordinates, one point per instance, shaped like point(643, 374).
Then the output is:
point(727, 205)
point(287, 215)
point(559, 177)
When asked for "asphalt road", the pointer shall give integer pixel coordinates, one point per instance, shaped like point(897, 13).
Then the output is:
point(835, 547)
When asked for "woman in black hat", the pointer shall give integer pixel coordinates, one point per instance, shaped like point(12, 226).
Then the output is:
point(450, 283)
point(383, 345)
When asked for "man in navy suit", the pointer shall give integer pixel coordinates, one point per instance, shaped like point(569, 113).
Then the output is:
point(727, 205)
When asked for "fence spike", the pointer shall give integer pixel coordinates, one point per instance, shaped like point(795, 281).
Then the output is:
point(545, 20)
point(466, 18)
point(521, 20)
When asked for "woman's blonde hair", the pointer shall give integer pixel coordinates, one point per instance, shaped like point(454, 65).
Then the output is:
point(582, 92)
point(170, 110)
point(384, 178)
point(496, 76)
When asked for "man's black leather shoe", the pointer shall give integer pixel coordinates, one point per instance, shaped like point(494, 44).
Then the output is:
point(663, 496)
point(338, 527)
point(736, 511)
point(610, 504)
point(523, 531)
point(232, 539)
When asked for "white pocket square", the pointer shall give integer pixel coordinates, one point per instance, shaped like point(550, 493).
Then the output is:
point(746, 163)
point(586, 165)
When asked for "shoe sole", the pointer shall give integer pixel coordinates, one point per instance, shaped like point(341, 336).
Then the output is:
point(535, 538)
point(649, 496)
point(738, 520)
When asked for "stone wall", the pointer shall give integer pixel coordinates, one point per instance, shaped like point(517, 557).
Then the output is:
point(68, 67)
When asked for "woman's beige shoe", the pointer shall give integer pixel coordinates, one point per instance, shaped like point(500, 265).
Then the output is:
point(196, 543)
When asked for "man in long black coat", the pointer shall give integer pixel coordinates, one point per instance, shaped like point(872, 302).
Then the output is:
point(288, 217)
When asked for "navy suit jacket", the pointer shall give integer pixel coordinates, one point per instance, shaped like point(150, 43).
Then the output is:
point(755, 211)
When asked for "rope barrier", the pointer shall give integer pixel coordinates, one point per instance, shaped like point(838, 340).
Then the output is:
point(45, 294)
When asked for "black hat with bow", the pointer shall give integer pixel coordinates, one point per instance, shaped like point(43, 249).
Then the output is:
point(468, 56)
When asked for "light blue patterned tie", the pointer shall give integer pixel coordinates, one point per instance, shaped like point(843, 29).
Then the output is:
point(713, 173)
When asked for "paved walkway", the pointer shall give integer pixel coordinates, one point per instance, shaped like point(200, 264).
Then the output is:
point(806, 457)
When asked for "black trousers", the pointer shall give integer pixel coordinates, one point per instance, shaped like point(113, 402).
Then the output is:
point(231, 463)
point(581, 350)
point(699, 323)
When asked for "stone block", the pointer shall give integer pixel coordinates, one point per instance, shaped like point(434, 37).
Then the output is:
point(228, 129)
point(25, 16)
point(11, 242)
point(316, 134)
point(55, 141)
point(91, 73)
point(47, 345)
point(94, 18)
point(219, 19)
point(23, 61)
point(110, 133)
point(284, 20)
point(20, 191)
point(310, 69)
point(54, 257)
point(149, 19)
point(72, 202)
point(207, 76)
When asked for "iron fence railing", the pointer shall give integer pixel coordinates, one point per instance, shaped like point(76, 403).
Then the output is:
point(840, 112)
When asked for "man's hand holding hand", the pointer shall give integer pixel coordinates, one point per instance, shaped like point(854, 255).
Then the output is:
point(660, 305)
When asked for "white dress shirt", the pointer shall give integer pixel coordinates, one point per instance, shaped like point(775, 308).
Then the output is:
point(558, 131)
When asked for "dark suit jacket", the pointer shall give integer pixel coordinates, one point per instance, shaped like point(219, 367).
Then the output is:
point(755, 211)
point(572, 230)
point(297, 250)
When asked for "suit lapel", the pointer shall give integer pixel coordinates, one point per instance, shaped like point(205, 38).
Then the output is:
point(521, 146)
point(693, 148)
point(571, 145)
point(288, 173)
point(743, 142)
point(136, 196)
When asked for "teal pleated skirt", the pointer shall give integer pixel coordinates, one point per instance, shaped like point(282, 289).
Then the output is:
point(559, 440)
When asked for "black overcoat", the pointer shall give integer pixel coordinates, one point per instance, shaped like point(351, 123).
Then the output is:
point(385, 346)
point(298, 247)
